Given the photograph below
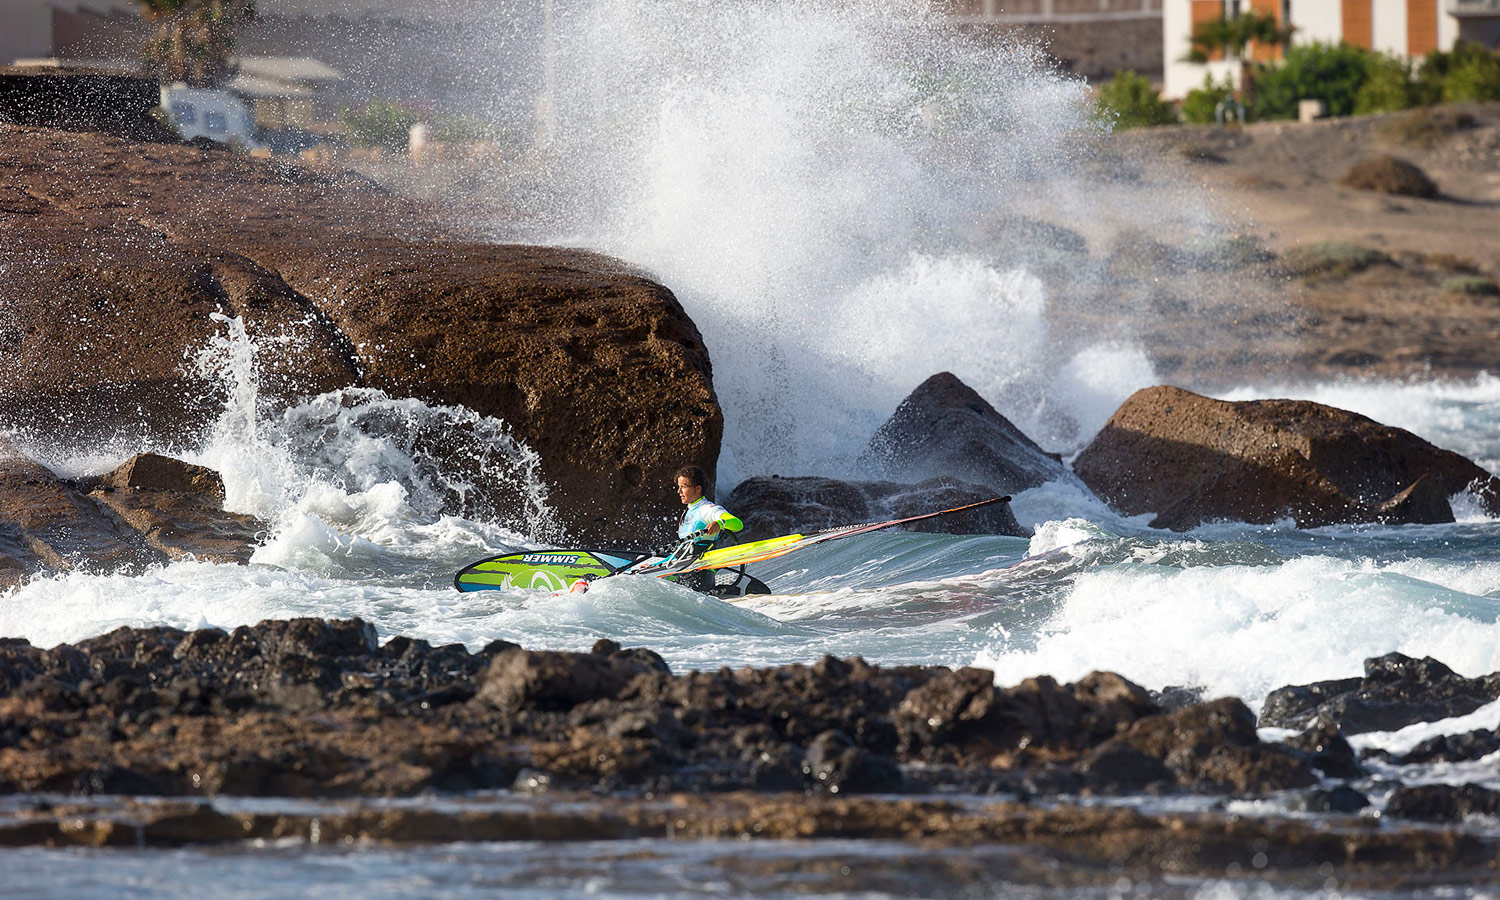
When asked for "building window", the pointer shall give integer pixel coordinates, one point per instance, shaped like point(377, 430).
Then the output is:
point(215, 122)
point(185, 114)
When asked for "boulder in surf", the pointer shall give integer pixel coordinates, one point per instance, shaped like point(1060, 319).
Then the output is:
point(1190, 459)
point(126, 262)
point(945, 429)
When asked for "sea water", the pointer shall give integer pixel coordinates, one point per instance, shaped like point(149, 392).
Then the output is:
point(846, 198)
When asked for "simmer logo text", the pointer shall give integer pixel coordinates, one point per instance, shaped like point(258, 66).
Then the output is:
point(549, 558)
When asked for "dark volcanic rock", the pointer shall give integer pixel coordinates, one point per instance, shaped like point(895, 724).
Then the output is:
point(1453, 748)
point(835, 763)
point(944, 429)
point(1342, 799)
point(119, 257)
point(962, 714)
point(1189, 459)
point(1395, 691)
point(1443, 802)
point(1328, 751)
point(1213, 746)
point(772, 506)
point(548, 680)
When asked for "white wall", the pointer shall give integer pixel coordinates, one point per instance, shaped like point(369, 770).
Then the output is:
point(1176, 28)
point(1447, 29)
point(1388, 26)
point(1316, 20)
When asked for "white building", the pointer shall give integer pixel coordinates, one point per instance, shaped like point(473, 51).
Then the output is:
point(207, 113)
point(1409, 28)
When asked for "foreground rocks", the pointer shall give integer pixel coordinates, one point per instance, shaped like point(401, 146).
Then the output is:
point(118, 255)
point(319, 709)
point(315, 708)
point(1190, 459)
point(148, 511)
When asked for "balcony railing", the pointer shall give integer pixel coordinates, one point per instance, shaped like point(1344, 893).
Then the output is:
point(1473, 7)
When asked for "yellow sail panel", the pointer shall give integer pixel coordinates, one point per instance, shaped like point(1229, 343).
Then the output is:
point(740, 554)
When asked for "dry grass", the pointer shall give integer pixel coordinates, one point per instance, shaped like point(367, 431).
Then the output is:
point(1473, 286)
point(1426, 127)
point(1448, 262)
point(1389, 175)
point(1335, 259)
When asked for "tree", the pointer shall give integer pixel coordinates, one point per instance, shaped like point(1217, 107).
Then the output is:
point(1230, 36)
point(191, 40)
point(1131, 102)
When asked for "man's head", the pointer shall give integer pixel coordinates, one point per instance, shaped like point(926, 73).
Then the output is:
point(690, 484)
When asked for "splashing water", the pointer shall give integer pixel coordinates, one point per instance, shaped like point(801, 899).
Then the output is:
point(848, 198)
point(363, 462)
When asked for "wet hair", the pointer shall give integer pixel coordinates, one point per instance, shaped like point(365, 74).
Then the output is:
point(694, 475)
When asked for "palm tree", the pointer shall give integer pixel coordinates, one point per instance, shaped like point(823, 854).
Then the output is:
point(1229, 36)
point(191, 40)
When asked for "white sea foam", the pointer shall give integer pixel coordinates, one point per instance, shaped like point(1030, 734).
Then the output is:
point(1245, 630)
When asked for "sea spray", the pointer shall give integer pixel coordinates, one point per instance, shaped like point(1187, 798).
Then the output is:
point(849, 197)
point(362, 462)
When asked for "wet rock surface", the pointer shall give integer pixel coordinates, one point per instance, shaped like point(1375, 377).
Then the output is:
point(320, 709)
point(119, 255)
point(149, 510)
point(1066, 846)
point(315, 708)
point(1396, 691)
point(944, 429)
point(1190, 459)
point(771, 506)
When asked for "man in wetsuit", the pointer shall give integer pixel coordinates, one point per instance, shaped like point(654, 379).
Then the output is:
point(703, 517)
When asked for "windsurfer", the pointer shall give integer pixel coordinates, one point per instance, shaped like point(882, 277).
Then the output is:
point(704, 521)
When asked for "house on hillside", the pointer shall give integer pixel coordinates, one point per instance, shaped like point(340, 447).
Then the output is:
point(1093, 38)
point(101, 31)
point(1404, 27)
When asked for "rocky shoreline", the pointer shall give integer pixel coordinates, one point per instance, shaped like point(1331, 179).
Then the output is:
point(514, 744)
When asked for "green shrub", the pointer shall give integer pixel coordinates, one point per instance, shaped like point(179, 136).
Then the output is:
point(1471, 286)
point(1473, 79)
point(1332, 73)
point(1199, 105)
point(1388, 86)
point(382, 123)
point(1472, 63)
point(1129, 101)
point(1332, 258)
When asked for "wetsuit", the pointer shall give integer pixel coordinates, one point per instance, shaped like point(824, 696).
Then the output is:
point(699, 515)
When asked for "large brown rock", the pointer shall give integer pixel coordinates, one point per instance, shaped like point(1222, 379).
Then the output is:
point(944, 429)
point(1189, 459)
point(149, 510)
point(117, 256)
